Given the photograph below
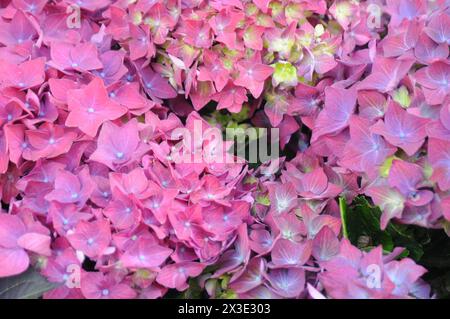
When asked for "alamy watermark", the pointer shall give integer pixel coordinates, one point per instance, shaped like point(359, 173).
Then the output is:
point(199, 145)
point(72, 277)
point(374, 13)
point(73, 21)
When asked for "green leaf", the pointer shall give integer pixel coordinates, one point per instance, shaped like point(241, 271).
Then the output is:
point(362, 223)
point(387, 242)
point(27, 285)
point(225, 279)
point(441, 285)
point(194, 291)
point(242, 115)
point(436, 260)
point(437, 250)
point(428, 247)
point(228, 294)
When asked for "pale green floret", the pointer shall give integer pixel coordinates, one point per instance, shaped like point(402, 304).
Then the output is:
point(285, 74)
point(282, 45)
point(227, 63)
point(401, 96)
point(290, 10)
point(250, 180)
point(251, 9)
point(427, 171)
point(229, 52)
point(277, 8)
point(225, 280)
point(143, 274)
point(319, 30)
point(263, 200)
point(386, 166)
point(343, 10)
point(269, 57)
point(137, 18)
point(294, 11)
point(248, 34)
point(306, 39)
point(296, 53)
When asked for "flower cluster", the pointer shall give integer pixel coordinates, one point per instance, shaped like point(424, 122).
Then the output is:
point(296, 246)
point(95, 96)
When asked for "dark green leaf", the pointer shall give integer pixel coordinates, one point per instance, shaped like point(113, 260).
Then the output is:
point(363, 227)
point(428, 247)
point(28, 285)
point(194, 291)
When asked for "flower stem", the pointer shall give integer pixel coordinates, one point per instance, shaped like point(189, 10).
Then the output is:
point(343, 210)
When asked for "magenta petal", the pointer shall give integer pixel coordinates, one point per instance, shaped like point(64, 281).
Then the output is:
point(37, 243)
point(145, 254)
point(13, 261)
point(175, 275)
point(11, 228)
point(287, 282)
point(325, 245)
